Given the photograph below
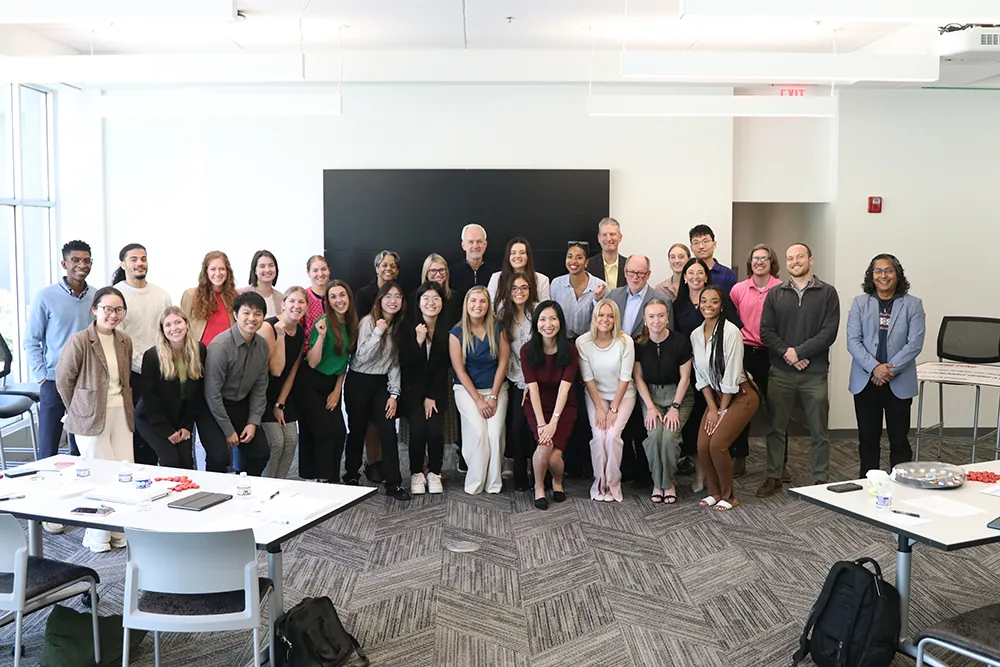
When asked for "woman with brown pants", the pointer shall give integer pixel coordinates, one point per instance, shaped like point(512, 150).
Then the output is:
point(732, 398)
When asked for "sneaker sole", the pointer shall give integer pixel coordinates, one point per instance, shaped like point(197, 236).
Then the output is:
point(417, 492)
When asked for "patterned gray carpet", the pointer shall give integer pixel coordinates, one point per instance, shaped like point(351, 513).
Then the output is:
point(583, 584)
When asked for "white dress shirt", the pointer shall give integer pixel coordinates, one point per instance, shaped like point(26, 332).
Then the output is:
point(732, 345)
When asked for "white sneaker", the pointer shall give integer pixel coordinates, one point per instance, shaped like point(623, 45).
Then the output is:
point(508, 469)
point(118, 542)
point(94, 546)
point(418, 485)
point(434, 484)
point(53, 528)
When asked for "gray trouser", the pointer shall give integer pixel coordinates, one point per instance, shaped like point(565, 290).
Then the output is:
point(662, 446)
point(282, 441)
point(783, 386)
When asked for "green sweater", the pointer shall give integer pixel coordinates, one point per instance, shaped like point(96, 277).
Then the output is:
point(331, 363)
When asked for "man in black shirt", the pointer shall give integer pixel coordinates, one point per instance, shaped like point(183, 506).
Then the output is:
point(473, 269)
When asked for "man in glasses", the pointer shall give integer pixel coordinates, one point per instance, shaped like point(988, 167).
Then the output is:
point(703, 246)
point(608, 264)
point(635, 293)
point(57, 312)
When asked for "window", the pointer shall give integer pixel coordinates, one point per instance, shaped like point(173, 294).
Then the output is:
point(27, 206)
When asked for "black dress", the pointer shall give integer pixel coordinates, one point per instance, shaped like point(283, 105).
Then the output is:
point(293, 350)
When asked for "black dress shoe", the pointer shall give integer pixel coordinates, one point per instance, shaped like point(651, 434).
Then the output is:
point(373, 473)
point(352, 481)
point(558, 496)
point(397, 492)
point(541, 503)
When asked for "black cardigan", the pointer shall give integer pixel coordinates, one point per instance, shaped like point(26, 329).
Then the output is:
point(161, 405)
point(424, 377)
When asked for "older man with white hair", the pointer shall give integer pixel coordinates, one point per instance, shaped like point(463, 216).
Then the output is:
point(473, 269)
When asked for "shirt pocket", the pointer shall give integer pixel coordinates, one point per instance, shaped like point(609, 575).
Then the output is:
point(84, 404)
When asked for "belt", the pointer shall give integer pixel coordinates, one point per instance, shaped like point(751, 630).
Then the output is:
point(754, 348)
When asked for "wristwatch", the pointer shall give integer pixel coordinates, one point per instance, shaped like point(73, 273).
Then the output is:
point(614, 410)
point(555, 415)
point(492, 397)
point(280, 406)
point(394, 397)
point(675, 406)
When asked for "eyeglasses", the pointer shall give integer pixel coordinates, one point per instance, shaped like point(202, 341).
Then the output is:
point(760, 260)
point(636, 274)
point(80, 261)
point(701, 243)
point(520, 289)
point(430, 298)
point(112, 309)
point(393, 297)
point(437, 272)
point(584, 244)
point(884, 272)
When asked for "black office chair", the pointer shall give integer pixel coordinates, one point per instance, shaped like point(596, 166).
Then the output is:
point(16, 399)
point(974, 634)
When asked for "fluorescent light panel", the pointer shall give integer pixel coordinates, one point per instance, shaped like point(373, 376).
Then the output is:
point(152, 69)
point(190, 104)
point(778, 67)
point(90, 11)
point(719, 106)
point(937, 12)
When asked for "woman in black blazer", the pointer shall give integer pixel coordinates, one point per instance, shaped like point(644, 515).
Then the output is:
point(173, 391)
point(424, 361)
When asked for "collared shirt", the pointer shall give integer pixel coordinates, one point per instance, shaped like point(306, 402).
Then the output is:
point(633, 307)
point(69, 290)
point(721, 276)
point(235, 369)
point(791, 283)
point(749, 302)
point(578, 311)
point(611, 272)
point(732, 345)
point(376, 355)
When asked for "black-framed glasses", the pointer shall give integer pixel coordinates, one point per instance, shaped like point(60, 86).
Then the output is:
point(583, 244)
point(108, 310)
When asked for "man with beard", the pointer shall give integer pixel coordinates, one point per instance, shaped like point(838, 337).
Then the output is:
point(145, 302)
point(798, 325)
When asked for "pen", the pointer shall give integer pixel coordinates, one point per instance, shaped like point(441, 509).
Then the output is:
point(906, 513)
point(12, 497)
point(271, 497)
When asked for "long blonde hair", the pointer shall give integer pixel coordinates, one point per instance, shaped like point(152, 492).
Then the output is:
point(190, 351)
point(617, 332)
point(468, 343)
point(430, 259)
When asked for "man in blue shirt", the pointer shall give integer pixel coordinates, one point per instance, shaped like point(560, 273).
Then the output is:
point(703, 245)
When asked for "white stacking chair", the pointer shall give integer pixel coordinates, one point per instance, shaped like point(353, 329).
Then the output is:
point(192, 582)
point(29, 583)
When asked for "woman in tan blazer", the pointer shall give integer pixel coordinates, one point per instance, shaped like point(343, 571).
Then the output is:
point(92, 378)
point(209, 306)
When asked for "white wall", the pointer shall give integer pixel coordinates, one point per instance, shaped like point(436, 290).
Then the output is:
point(780, 225)
point(791, 160)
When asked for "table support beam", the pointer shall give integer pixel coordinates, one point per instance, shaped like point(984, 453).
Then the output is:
point(276, 607)
point(904, 566)
point(35, 538)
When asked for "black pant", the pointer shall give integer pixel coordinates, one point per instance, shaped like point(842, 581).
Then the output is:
point(520, 441)
point(365, 397)
point(758, 366)
point(141, 451)
point(426, 436)
point(577, 454)
point(689, 434)
point(870, 405)
point(321, 441)
point(249, 457)
point(635, 465)
point(167, 453)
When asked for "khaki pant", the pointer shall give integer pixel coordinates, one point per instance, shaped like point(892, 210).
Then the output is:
point(114, 443)
point(782, 388)
point(663, 447)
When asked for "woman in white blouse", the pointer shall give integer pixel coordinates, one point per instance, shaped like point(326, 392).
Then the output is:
point(607, 357)
point(731, 397)
point(519, 260)
point(515, 318)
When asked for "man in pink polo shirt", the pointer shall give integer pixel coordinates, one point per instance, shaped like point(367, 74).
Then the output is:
point(748, 296)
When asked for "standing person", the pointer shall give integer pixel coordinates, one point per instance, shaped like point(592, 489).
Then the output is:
point(550, 364)
point(92, 377)
point(677, 256)
point(703, 245)
point(386, 271)
point(515, 318)
point(425, 361)
point(518, 259)
point(209, 306)
point(609, 264)
point(435, 270)
point(372, 388)
point(58, 312)
point(632, 297)
point(285, 343)
point(732, 399)
point(146, 303)
point(264, 281)
point(607, 358)
point(662, 377)
point(479, 355)
point(473, 269)
point(322, 433)
point(885, 333)
point(798, 325)
point(748, 297)
point(236, 392)
point(173, 379)
point(318, 271)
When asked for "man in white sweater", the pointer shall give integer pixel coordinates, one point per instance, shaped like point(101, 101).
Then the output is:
point(145, 303)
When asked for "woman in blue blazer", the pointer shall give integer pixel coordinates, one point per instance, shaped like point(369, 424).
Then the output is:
point(885, 333)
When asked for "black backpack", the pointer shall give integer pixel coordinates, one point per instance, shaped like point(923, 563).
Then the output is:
point(310, 634)
point(855, 621)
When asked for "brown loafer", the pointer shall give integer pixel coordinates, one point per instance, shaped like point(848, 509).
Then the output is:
point(770, 487)
point(739, 466)
point(785, 475)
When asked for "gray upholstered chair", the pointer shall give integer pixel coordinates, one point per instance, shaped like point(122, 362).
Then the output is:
point(974, 634)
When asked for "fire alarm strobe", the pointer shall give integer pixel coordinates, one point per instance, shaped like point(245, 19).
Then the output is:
point(874, 204)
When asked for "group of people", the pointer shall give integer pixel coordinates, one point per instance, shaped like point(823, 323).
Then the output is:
point(541, 372)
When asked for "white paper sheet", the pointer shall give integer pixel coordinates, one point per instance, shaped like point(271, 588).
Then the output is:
point(944, 507)
point(904, 521)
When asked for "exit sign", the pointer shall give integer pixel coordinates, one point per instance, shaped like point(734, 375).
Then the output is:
point(792, 91)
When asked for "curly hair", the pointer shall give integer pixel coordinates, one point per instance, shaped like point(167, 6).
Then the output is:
point(204, 303)
point(902, 284)
point(340, 346)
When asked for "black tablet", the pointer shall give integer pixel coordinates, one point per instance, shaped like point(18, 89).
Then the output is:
point(200, 501)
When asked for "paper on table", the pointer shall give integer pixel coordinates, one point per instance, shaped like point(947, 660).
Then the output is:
point(944, 507)
point(904, 521)
point(991, 490)
point(288, 508)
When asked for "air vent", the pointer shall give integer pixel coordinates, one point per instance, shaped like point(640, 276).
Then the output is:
point(990, 39)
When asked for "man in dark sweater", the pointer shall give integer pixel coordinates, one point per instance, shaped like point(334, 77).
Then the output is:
point(798, 325)
point(473, 269)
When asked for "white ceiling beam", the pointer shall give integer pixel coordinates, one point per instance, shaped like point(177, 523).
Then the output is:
point(778, 67)
point(16, 40)
point(214, 104)
point(160, 69)
point(938, 12)
point(712, 106)
point(90, 11)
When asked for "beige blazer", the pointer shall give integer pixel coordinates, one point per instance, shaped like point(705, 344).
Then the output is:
point(82, 380)
point(197, 326)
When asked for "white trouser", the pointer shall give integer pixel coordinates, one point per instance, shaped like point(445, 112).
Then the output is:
point(114, 443)
point(606, 449)
point(482, 441)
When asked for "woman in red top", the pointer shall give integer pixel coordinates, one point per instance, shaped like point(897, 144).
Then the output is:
point(550, 364)
point(209, 306)
point(319, 275)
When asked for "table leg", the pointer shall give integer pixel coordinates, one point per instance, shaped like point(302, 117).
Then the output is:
point(904, 554)
point(35, 538)
point(975, 424)
point(277, 606)
point(920, 420)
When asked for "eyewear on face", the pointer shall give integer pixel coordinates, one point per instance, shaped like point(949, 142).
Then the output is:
point(701, 243)
point(430, 298)
point(636, 274)
point(78, 261)
point(108, 310)
point(393, 297)
point(520, 289)
point(437, 272)
point(760, 260)
point(884, 272)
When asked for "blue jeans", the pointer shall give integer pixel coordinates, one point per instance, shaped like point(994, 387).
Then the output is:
point(50, 413)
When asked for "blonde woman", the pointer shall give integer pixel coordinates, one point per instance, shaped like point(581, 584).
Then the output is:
point(479, 356)
point(677, 256)
point(435, 270)
point(174, 387)
point(209, 306)
point(607, 359)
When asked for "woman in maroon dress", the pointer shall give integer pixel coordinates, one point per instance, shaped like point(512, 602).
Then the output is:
point(550, 363)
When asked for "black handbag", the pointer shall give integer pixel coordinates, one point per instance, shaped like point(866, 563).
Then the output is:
point(310, 634)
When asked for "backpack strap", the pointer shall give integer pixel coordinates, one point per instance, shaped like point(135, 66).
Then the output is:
point(818, 608)
point(357, 649)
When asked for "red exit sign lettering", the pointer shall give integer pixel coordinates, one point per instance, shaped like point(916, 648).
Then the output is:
point(787, 91)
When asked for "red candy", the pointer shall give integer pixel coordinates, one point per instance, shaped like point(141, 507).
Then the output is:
point(982, 476)
point(184, 483)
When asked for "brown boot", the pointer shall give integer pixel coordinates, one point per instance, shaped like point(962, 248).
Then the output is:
point(785, 475)
point(739, 466)
point(771, 486)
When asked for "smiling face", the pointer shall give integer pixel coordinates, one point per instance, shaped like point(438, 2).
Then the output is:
point(78, 265)
point(576, 261)
point(760, 262)
point(319, 274)
point(548, 323)
point(797, 261)
point(392, 302)
point(703, 246)
point(109, 311)
point(295, 306)
point(266, 270)
point(474, 244)
point(518, 256)
point(884, 275)
point(437, 273)
point(695, 277)
point(339, 300)
point(135, 264)
point(477, 304)
point(710, 304)
point(636, 273)
point(677, 257)
point(174, 328)
point(606, 319)
point(387, 269)
point(430, 304)
point(520, 290)
point(217, 273)
point(609, 237)
point(655, 317)
point(249, 319)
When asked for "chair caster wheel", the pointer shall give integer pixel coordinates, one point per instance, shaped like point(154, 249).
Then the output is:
point(87, 602)
point(12, 651)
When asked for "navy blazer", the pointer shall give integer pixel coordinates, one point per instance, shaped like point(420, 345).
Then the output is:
point(161, 405)
point(904, 342)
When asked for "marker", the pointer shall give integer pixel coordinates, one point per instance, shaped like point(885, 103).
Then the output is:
point(11, 497)
point(906, 513)
point(271, 497)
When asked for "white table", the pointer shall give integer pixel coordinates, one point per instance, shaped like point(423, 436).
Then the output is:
point(947, 533)
point(53, 492)
point(963, 375)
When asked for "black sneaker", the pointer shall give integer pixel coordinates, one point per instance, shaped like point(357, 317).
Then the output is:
point(397, 492)
point(352, 481)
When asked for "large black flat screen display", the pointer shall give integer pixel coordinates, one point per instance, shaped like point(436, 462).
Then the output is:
point(419, 211)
